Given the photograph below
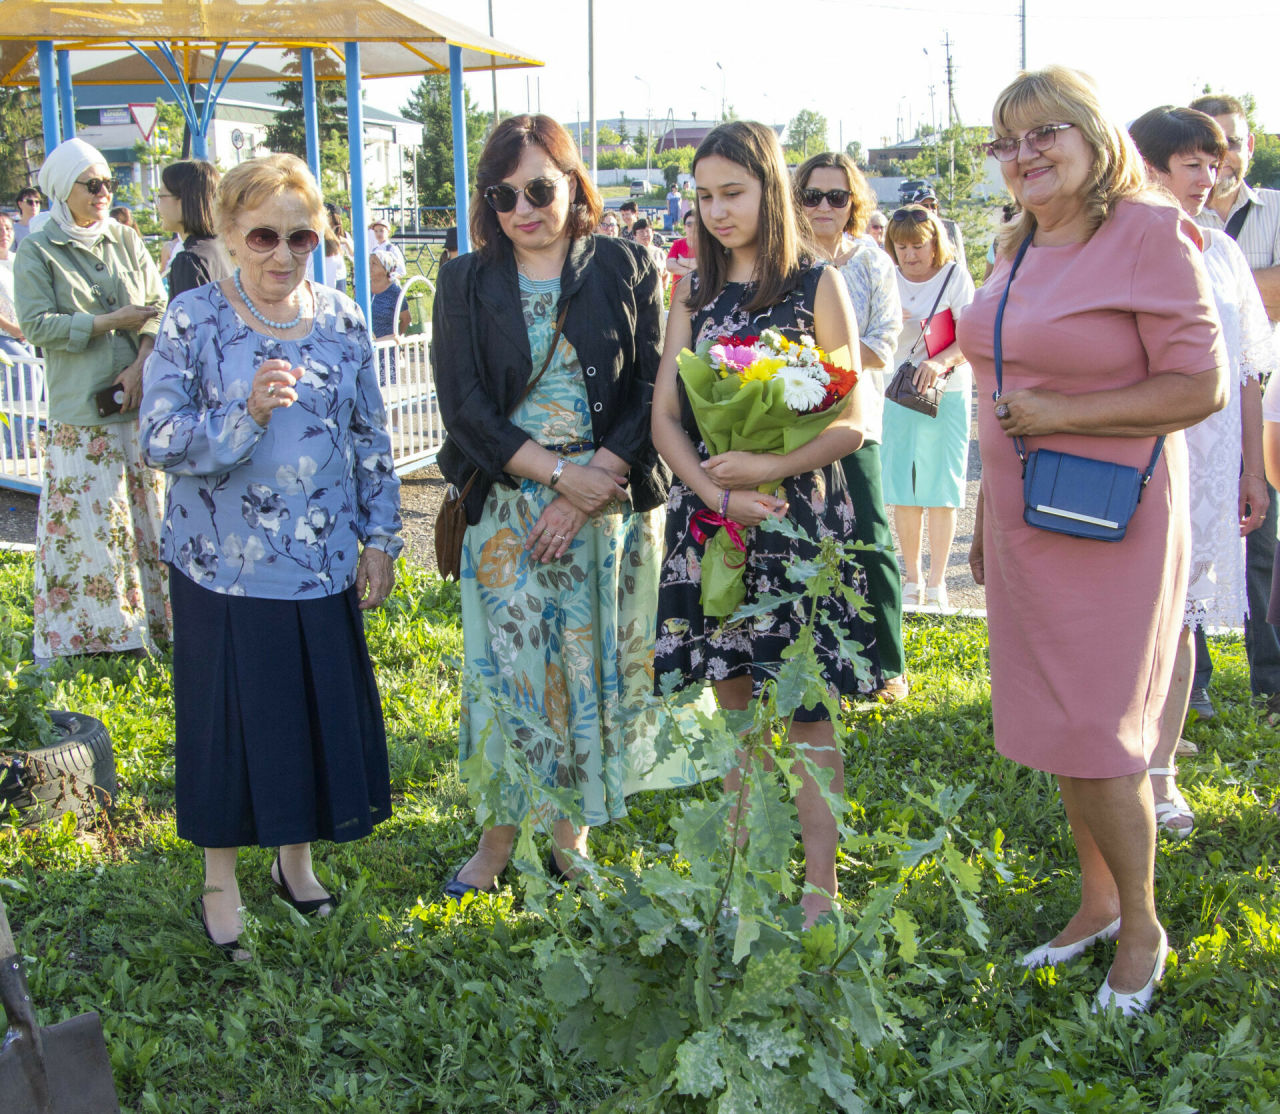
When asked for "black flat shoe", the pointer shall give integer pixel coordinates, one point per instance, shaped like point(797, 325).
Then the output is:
point(455, 889)
point(232, 949)
point(306, 908)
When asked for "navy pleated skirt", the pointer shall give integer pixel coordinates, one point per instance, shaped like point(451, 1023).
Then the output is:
point(279, 726)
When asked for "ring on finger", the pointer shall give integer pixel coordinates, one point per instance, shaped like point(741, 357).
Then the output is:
point(1002, 410)
point(271, 390)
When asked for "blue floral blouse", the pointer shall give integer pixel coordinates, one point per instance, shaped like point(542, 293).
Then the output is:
point(274, 513)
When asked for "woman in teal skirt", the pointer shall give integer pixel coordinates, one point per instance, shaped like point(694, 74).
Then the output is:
point(547, 339)
point(924, 460)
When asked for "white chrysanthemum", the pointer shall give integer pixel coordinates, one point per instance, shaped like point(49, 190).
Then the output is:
point(800, 390)
point(771, 339)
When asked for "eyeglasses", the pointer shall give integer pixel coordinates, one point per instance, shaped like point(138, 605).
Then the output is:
point(920, 216)
point(96, 185)
point(539, 192)
point(166, 196)
point(265, 240)
point(1006, 147)
point(1235, 143)
point(837, 199)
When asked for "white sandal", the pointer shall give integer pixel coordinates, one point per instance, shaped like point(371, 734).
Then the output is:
point(1175, 807)
point(910, 593)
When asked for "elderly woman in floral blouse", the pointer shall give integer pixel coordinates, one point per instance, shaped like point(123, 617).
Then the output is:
point(282, 525)
point(837, 202)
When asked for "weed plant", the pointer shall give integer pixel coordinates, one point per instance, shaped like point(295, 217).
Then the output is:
point(545, 999)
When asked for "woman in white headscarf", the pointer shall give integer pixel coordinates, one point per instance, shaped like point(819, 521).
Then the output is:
point(88, 293)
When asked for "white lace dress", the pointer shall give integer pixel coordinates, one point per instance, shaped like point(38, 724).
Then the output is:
point(1216, 589)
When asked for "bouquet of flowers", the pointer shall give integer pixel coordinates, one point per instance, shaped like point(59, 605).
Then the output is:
point(763, 394)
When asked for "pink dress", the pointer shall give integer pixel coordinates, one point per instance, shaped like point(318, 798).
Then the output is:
point(1083, 633)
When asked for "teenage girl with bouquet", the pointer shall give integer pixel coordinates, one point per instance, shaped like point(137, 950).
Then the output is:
point(753, 275)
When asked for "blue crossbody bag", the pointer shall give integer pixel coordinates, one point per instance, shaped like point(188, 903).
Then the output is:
point(1069, 494)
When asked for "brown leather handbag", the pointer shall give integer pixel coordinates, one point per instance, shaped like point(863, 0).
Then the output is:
point(451, 519)
point(902, 387)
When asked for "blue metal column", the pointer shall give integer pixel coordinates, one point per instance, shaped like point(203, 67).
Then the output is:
point(48, 94)
point(65, 95)
point(311, 125)
point(359, 211)
point(457, 99)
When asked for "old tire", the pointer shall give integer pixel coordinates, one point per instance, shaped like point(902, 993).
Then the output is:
point(75, 774)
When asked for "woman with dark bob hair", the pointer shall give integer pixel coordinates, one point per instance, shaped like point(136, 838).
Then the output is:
point(1183, 149)
point(834, 197)
point(1109, 341)
point(185, 207)
point(547, 341)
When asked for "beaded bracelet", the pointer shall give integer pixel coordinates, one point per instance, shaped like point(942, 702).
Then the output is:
point(724, 503)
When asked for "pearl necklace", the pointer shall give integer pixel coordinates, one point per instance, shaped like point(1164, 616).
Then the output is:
point(281, 325)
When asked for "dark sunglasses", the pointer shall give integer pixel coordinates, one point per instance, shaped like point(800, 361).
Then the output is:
point(96, 185)
point(920, 216)
point(264, 240)
point(539, 192)
point(1039, 139)
point(811, 198)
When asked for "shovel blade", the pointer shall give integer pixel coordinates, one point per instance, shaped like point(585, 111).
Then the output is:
point(77, 1069)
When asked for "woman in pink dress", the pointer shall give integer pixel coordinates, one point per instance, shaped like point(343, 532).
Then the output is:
point(1109, 339)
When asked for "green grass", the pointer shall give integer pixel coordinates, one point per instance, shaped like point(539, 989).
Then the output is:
point(400, 1003)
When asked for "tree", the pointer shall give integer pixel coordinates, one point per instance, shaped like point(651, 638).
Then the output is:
point(807, 133)
point(854, 151)
point(607, 137)
point(622, 128)
point(166, 139)
point(288, 132)
point(21, 141)
point(431, 106)
point(955, 163)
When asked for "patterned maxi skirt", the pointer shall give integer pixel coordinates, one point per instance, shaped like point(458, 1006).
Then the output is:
point(559, 658)
point(100, 585)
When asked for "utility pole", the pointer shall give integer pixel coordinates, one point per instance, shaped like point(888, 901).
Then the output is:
point(1022, 19)
point(493, 73)
point(591, 85)
point(952, 114)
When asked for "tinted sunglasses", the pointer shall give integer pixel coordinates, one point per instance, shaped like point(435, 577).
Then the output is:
point(837, 199)
point(920, 216)
point(539, 192)
point(264, 240)
point(96, 185)
point(1039, 139)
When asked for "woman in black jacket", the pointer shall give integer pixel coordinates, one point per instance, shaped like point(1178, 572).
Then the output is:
point(546, 342)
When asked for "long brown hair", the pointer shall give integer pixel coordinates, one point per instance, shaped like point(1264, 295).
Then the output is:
point(500, 157)
point(779, 257)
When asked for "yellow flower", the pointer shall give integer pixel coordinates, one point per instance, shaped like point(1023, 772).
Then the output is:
point(763, 369)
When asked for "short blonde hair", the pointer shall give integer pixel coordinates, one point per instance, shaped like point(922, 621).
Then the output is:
point(918, 232)
point(1062, 95)
point(257, 181)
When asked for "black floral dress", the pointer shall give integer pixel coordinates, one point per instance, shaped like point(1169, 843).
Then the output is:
point(699, 648)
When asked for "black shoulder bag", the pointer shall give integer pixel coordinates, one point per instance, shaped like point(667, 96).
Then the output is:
point(1069, 494)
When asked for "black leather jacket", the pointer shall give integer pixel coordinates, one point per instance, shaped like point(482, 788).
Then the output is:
point(482, 361)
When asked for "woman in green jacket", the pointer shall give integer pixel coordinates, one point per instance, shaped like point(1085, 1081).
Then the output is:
point(89, 295)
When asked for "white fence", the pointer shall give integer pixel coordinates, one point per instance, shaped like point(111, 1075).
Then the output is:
point(413, 414)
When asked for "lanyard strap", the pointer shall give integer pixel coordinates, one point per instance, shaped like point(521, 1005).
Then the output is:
point(1019, 445)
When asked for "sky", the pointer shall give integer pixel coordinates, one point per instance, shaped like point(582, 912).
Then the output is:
point(867, 67)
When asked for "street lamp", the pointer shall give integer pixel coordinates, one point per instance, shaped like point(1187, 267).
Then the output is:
point(648, 128)
point(722, 81)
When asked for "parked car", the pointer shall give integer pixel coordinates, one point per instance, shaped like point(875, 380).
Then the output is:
point(638, 187)
point(907, 188)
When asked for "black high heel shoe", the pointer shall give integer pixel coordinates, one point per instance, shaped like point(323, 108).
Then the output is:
point(232, 949)
point(307, 907)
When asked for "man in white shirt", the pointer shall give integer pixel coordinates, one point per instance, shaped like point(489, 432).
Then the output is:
point(1252, 217)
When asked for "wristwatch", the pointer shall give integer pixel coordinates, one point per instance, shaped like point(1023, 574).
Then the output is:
point(555, 475)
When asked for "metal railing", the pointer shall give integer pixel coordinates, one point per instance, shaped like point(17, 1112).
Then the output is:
point(413, 414)
point(22, 416)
